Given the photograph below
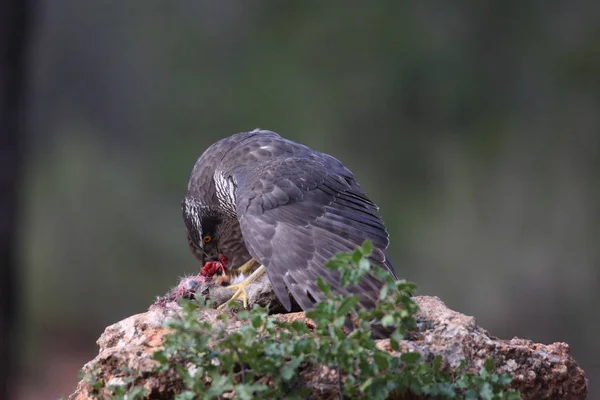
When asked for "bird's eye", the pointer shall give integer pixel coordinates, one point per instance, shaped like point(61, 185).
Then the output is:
point(207, 239)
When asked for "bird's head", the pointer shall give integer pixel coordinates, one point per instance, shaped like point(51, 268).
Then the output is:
point(201, 223)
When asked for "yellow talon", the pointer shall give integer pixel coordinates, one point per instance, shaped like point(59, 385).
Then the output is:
point(240, 288)
point(240, 292)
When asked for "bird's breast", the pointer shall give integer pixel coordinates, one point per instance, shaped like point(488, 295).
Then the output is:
point(232, 245)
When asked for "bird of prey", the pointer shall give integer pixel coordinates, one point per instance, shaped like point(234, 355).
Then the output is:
point(256, 199)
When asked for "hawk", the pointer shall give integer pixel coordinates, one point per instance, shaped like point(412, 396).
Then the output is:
point(258, 202)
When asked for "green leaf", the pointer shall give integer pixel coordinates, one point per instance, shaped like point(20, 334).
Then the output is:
point(186, 395)
point(160, 357)
point(387, 320)
point(367, 248)
point(347, 305)
point(256, 321)
point(289, 369)
point(299, 327)
point(437, 364)
point(247, 391)
point(220, 384)
point(188, 306)
point(366, 384)
point(411, 357)
point(137, 393)
point(397, 335)
point(95, 384)
point(323, 286)
point(383, 292)
point(381, 359)
point(486, 392)
point(357, 255)
point(489, 365)
point(505, 379)
point(485, 371)
point(364, 266)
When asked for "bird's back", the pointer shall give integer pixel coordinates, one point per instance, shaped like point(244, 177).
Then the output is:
point(296, 208)
point(202, 184)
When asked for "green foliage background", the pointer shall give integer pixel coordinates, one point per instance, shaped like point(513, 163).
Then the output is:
point(473, 125)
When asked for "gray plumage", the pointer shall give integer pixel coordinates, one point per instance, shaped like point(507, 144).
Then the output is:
point(289, 207)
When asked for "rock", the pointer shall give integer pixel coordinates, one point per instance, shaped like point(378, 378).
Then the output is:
point(539, 371)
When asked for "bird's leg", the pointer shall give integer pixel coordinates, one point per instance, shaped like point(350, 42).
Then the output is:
point(244, 269)
point(240, 288)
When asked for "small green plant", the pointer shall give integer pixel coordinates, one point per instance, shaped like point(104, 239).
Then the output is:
point(123, 391)
point(91, 378)
point(266, 358)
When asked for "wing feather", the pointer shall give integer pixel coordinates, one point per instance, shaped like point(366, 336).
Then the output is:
point(296, 211)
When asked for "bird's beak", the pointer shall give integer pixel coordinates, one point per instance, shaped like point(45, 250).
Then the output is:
point(212, 256)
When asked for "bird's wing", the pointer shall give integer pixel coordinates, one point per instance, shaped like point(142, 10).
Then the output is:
point(295, 213)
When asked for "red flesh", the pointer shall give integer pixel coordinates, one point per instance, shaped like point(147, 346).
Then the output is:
point(211, 267)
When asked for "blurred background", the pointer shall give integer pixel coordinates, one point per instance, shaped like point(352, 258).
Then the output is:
point(474, 125)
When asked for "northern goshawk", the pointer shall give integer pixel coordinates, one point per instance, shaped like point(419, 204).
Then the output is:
point(256, 199)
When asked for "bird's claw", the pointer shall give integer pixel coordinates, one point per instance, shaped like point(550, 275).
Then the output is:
point(240, 292)
point(240, 288)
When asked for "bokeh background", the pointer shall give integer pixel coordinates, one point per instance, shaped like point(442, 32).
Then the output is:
point(474, 125)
